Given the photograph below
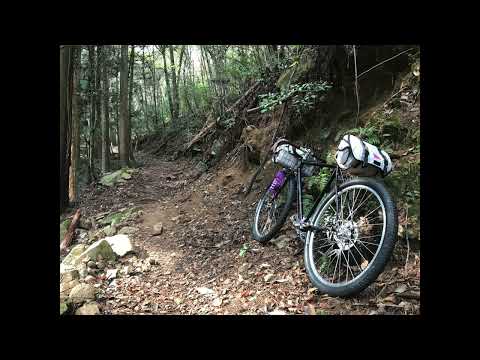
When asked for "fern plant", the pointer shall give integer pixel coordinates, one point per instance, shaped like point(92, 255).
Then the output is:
point(303, 96)
point(369, 134)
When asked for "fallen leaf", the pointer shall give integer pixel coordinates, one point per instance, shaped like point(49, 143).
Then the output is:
point(205, 291)
point(268, 277)
point(401, 289)
point(364, 264)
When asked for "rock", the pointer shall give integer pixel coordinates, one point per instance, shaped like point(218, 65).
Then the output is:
point(82, 271)
point(71, 260)
point(63, 308)
point(126, 270)
point(178, 301)
point(281, 241)
point(91, 264)
point(120, 216)
point(146, 267)
point(120, 244)
point(217, 302)
point(115, 177)
point(67, 286)
point(82, 293)
point(153, 261)
point(91, 271)
point(110, 230)
point(82, 236)
point(157, 229)
point(90, 308)
point(100, 265)
point(111, 274)
point(268, 277)
point(101, 247)
point(128, 230)
point(69, 276)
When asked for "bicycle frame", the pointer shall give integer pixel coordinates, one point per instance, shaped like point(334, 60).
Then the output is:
point(304, 222)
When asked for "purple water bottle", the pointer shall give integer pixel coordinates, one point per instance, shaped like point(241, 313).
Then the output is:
point(277, 183)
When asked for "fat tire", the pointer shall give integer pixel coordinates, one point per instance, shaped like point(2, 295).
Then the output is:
point(384, 254)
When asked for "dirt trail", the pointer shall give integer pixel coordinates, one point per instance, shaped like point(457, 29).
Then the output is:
point(205, 225)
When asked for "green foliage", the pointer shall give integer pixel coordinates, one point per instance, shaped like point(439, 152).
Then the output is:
point(308, 202)
point(243, 250)
point(369, 133)
point(313, 187)
point(315, 184)
point(303, 96)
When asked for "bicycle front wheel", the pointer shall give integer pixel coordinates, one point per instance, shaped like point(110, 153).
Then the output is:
point(356, 240)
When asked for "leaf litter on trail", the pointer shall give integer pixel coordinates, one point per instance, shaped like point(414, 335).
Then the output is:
point(280, 296)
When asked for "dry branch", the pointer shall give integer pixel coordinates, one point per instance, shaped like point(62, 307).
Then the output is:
point(249, 91)
point(200, 135)
point(71, 231)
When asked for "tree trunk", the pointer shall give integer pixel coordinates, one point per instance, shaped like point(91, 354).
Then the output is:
point(106, 116)
point(65, 121)
point(75, 149)
point(124, 146)
point(98, 104)
point(131, 73)
point(91, 124)
point(145, 104)
point(182, 52)
point(167, 81)
point(174, 84)
point(154, 91)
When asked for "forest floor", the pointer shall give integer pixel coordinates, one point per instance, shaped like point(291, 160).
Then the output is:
point(206, 261)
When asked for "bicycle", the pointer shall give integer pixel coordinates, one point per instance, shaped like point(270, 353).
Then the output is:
point(350, 232)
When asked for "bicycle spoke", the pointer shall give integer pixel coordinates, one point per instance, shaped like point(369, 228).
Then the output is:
point(366, 247)
point(363, 257)
point(348, 267)
point(366, 216)
point(370, 243)
point(358, 207)
point(335, 271)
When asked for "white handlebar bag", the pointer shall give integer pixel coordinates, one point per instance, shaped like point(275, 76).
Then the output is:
point(361, 158)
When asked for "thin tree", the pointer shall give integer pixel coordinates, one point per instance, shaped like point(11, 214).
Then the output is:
point(65, 121)
point(124, 131)
point(131, 72)
point(154, 89)
point(174, 84)
point(91, 121)
point(75, 148)
point(144, 94)
point(98, 103)
point(106, 115)
point(167, 82)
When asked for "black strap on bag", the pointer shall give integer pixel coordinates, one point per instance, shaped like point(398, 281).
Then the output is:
point(365, 154)
point(384, 173)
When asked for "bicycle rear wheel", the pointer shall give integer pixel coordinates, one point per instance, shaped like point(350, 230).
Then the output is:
point(271, 211)
point(355, 242)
